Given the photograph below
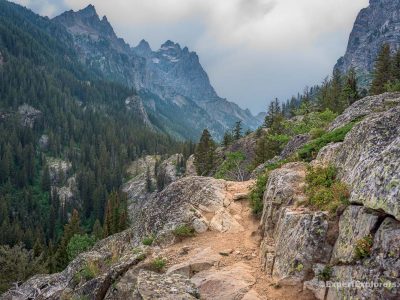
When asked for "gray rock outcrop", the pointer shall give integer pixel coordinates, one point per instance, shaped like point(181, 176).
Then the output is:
point(375, 25)
point(355, 254)
point(28, 115)
point(203, 203)
point(368, 161)
point(135, 104)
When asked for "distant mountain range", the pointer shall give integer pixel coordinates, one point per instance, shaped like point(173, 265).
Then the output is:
point(173, 85)
point(375, 25)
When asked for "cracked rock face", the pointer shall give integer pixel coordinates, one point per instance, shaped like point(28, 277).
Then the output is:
point(284, 188)
point(382, 268)
point(151, 286)
point(300, 242)
point(294, 238)
point(356, 223)
point(369, 162)
point(109, 259)
point(191, 201)
point(365, 107)
point(375, 25)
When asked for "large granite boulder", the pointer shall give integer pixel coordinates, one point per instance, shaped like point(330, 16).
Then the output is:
point(152, 286)
point(143, 171)
point(232, 282)
point(295, 144)
point(300, 242)
point(365, 107)
point(368, 161)
point(199, 202)
point(284, 188)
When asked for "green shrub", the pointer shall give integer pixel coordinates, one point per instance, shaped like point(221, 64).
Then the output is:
point(309, 151)
point(78, 244)
point(311, 122)
point(148, 241)
point(324, 191)
point(137, 250)
point(141, 256)
point(158, 264)
point(257, 194)
point(317, 133)
point(184, 231)
point(363, 247)
point(90, 271)
point(231, 167)
point(325, 274)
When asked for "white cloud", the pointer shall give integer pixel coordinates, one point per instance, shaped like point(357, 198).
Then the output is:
point(252, 49)
point(263, 24)
point(42, 7)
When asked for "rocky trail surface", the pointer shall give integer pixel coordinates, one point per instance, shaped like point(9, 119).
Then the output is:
point(226, 265)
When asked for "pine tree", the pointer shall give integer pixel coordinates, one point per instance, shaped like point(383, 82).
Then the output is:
point(350, 90)
point(335, 92)
point(46, 182)
point(70, 230)
point(396, 66)
point(237, 130)
point(149, 183)
point(382, 72)
point(205, 154)
point(97, 230)
point(115, 217)
point(274, 110)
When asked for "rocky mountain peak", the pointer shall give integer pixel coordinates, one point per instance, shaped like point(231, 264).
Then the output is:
point(143, 49)
point(375, 25)
point(89, 10)
point(86, 21)
point(169, 44)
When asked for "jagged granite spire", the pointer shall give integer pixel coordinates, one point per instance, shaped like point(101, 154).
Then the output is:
point(375, 25)
point(143, 49)
point(89, 10)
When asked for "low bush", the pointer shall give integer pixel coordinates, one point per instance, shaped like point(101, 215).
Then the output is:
point(363, 247)
point(325, 274)
point(324, 191)
point(158, 264)
point(309, 151)
point(184, 231)
point(148, 241)
point(231, 168)
point(257, 194)
point(78, 244)
point(311, 122)
point(89, 271)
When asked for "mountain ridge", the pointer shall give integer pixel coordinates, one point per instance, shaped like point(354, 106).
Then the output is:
point(172, 73)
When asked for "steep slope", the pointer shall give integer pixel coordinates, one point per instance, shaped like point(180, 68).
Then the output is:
point(171, 79)
point(55, 109)
point(377, 24)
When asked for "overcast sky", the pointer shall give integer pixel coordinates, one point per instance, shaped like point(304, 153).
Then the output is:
point(253, 50)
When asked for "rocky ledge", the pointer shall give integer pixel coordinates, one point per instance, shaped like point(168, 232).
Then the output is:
point(303, 245)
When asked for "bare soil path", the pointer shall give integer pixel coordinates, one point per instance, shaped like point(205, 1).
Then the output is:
point(238, 247)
